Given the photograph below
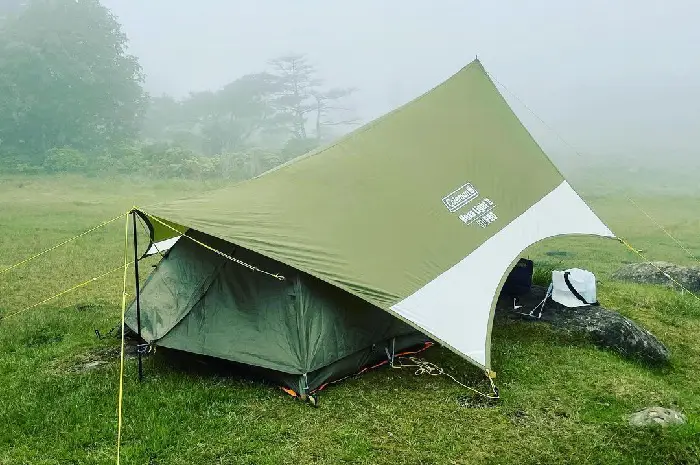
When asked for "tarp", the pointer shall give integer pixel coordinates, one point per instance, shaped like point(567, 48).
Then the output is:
point(421, 213)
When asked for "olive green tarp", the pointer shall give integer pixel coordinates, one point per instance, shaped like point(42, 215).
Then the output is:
point(420, 213)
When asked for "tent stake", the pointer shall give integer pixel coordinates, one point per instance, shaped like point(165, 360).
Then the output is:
point(138, 290)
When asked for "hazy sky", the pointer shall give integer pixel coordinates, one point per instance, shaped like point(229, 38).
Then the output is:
point(613, 76)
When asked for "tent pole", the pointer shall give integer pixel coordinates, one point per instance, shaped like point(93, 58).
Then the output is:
point(138, 290)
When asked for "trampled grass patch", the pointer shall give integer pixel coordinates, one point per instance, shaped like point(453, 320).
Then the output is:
point(563, 399)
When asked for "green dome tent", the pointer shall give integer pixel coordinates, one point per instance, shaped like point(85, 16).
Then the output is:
point(400, 232)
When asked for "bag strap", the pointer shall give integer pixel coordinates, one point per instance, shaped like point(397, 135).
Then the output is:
point(574, 291)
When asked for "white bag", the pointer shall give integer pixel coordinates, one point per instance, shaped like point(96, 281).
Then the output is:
point(574, 288)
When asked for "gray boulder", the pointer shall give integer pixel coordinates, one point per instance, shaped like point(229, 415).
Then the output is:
point(656, 416)
point(660, 273)
point(604, 327)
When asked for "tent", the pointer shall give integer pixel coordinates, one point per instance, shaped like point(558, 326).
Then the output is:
point(401, 232)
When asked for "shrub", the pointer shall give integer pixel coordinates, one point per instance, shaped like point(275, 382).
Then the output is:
point(13, 160)
point(150, 159)
point(65, 159)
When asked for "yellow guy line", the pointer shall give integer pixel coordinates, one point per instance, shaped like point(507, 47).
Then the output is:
point(104, 223)
point(658, 225)
point(121, 363)
point(629, 246)
point(77, 286)
point(235, 260)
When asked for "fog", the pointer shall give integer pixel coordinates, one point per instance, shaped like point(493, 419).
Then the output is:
point(612, 78)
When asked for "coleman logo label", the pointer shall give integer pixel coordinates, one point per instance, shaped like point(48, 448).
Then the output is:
point(481, 214)
point(460, 197)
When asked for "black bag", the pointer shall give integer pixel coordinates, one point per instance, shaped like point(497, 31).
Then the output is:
point(519, 281)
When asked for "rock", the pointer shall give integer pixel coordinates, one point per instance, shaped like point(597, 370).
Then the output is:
point(659, 273)
point(604, 327)
point(656, 416)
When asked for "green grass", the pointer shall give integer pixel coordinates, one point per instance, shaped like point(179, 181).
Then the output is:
point(563, 400)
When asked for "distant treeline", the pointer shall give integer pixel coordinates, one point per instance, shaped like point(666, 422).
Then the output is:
point(72, 100)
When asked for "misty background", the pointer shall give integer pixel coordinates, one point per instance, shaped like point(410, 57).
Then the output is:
point(618, 81)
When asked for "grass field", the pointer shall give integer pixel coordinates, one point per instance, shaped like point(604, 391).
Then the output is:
point(563, 400)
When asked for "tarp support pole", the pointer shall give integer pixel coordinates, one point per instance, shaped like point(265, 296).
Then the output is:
point(138, 290)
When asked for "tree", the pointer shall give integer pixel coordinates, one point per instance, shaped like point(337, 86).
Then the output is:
point(330, 112)
point(66, 79)
point(223, 121)
point(275, 110)
point(297, 81)
point(163, 116)
point(301, 94)
point(242, 110)
point(228, 120)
